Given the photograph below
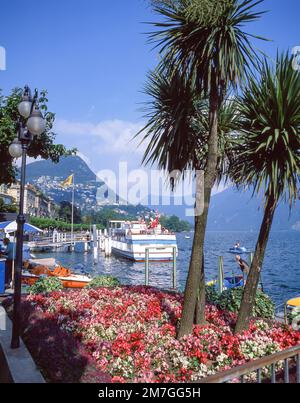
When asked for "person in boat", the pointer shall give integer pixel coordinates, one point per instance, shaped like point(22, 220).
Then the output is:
point(243, 265)
point(237, 245)
point(10, 254)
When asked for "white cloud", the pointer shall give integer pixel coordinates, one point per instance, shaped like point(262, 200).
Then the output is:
point(29, 160)
point(115, 136)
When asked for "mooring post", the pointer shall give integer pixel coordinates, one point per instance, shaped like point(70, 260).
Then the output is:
point(95, 242)
point(102, 241)
point(99, 234)
point(109, 246)
point(221, 275)
point(174, 268)
point(106, 246)
point(147, 267)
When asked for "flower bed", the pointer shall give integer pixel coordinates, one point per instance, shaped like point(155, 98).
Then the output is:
point(127, 334)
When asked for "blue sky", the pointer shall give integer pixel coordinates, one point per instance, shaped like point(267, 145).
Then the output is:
point(92, 57)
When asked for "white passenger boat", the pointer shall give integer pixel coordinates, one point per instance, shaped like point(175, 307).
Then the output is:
point(133, 240)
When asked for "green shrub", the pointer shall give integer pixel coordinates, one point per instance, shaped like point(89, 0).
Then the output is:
point(46, 285)
point(230, 300)
point(211, 294)
point(104, 281)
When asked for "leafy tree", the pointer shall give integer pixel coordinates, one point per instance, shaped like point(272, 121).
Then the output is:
point(48, 223)
point(65, 212)
point(214, 54)
point(7, 208)
point(42, 146)
point(267, 154)
point(108, 214)
point(174, 224)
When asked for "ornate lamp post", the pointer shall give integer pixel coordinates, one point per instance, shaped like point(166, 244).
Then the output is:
point(32, 124)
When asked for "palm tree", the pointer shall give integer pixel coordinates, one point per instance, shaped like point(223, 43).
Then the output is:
point(177, 131)
point(268, 153)
point(214, 52)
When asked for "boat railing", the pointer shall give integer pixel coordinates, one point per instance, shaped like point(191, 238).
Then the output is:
point(149, 232)
point(289, 372)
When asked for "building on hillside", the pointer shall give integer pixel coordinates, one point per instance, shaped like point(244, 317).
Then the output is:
point(29, 197)
point(52, 209)
point(41, 205)
point(6, 198)
point(36, 204)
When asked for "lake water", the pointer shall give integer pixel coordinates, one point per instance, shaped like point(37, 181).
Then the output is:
point(281, 271)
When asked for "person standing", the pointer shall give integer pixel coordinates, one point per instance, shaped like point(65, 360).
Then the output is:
point(243, 265)
point(10, 254)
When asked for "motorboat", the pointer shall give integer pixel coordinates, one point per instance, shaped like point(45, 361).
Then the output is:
point(238, 250)
point(30, 275)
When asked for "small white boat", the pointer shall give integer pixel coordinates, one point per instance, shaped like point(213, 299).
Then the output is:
point(187, 237)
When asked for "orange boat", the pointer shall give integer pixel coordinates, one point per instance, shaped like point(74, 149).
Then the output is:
point(68, 279)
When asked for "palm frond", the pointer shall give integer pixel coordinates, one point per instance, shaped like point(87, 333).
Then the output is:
point(177, 126)
point(268, 148)
point(220, 51)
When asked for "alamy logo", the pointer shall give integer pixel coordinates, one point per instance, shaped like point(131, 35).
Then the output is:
point(296, 59)
point(2, 58)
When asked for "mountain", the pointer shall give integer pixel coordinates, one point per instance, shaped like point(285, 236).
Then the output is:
point(233, 210)
point(48, 177)
point(66, 166)
point(239, 211)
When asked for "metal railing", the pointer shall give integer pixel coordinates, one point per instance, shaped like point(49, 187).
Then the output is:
point(60, 238)
point(288, 357)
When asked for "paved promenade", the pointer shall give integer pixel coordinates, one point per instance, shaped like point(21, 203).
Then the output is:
point(16, 366)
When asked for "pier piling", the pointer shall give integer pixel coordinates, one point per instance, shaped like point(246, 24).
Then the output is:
point(221, 275)
point(107, 246)
point(95, 244)
point(174, 268)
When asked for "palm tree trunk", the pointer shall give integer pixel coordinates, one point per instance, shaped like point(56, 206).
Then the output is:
point(195, 285)
point(249, 296)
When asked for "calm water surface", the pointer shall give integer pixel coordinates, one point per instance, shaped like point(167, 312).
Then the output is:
point(281, 271)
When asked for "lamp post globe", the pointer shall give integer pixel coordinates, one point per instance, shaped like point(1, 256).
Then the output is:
point(36, 124)
point(15, 149)
point(25, 106)
point(24, 109)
